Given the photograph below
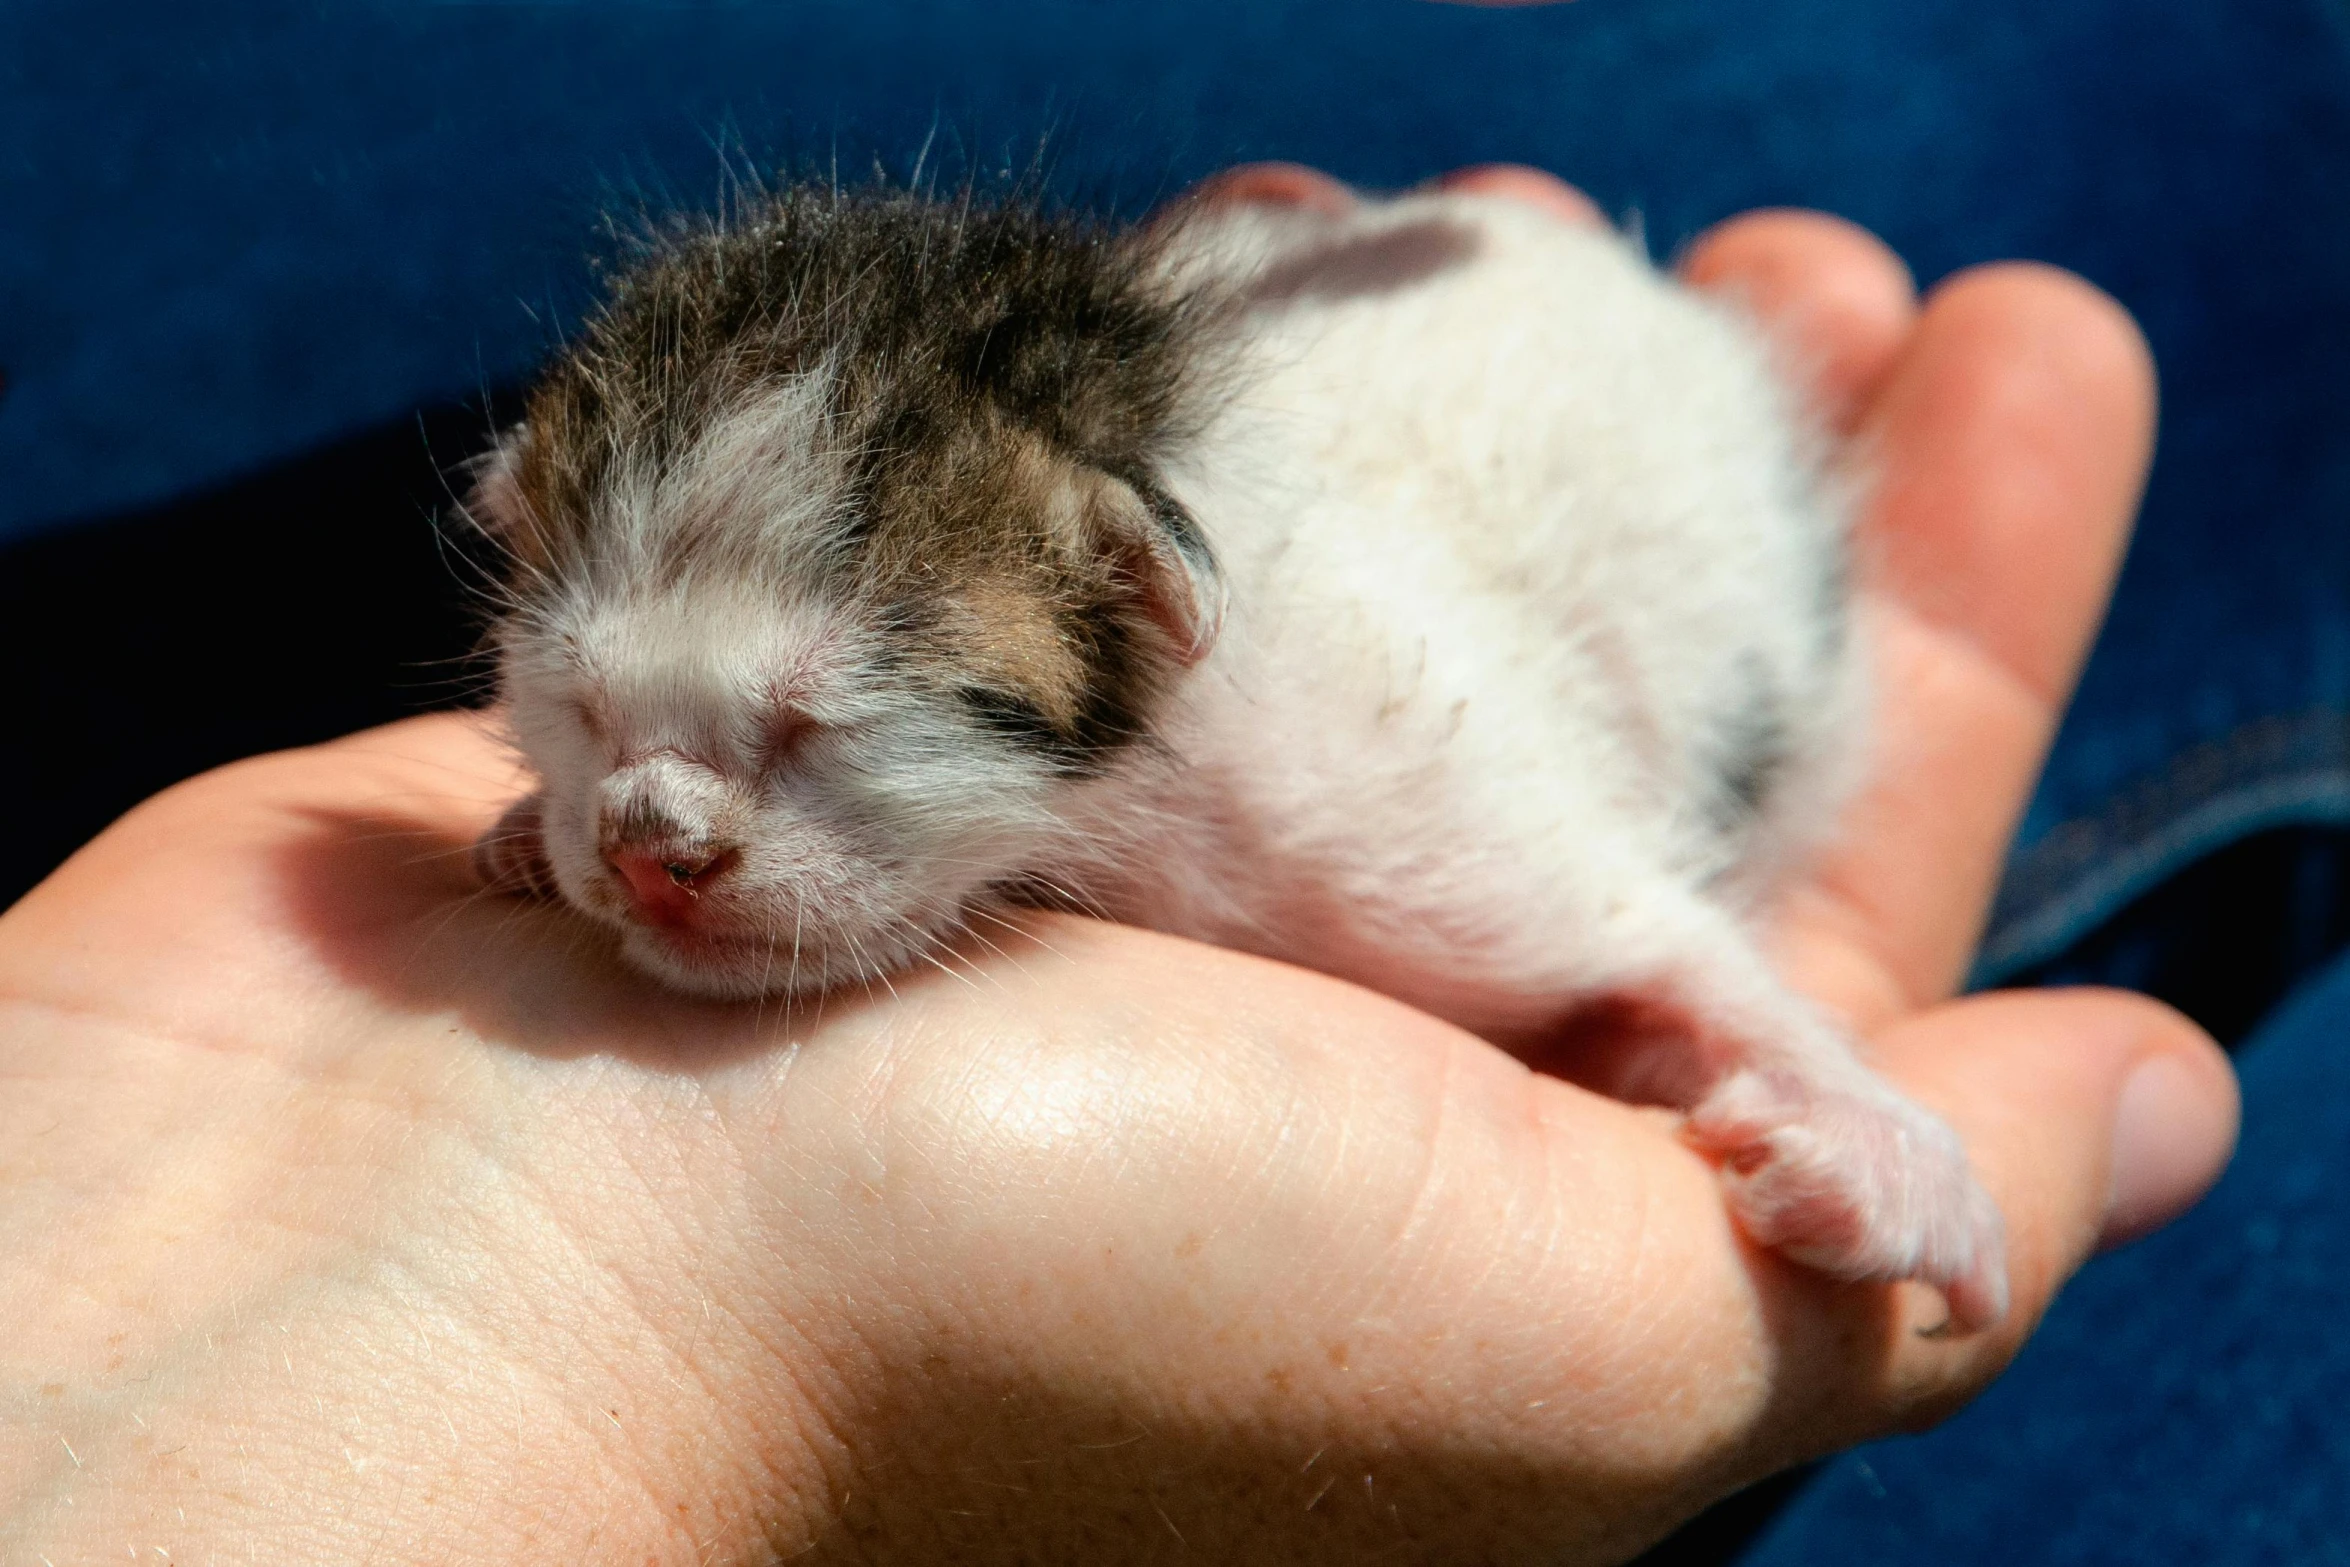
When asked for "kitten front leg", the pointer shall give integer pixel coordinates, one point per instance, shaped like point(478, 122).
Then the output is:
point(1821, 1159)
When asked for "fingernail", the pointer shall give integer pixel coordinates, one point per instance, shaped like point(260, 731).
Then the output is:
point(2172, 1134)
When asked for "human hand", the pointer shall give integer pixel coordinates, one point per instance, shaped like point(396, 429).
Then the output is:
point(344, 1210)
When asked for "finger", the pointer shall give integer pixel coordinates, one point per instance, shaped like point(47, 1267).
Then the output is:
point(1836, 301)
point(2019, 430)
point(2012, 435)
point(2092, 1116)
point(1517, 182)
point(1274, 185)
point(216, 839)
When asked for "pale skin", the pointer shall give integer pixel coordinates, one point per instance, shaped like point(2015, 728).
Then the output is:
point(349, 1214)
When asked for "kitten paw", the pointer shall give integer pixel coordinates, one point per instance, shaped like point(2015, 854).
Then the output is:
point(1858, 1182)
point(512, 856)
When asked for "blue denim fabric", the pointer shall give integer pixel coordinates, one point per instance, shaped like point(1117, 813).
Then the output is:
point(229, 237)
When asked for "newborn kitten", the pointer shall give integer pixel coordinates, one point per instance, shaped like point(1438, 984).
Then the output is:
point(1431, 594)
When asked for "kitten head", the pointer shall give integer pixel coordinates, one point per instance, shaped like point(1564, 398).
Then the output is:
point(838, 560)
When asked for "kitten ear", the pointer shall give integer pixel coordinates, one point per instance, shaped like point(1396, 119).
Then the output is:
point(1156, 547)
point(496, 505)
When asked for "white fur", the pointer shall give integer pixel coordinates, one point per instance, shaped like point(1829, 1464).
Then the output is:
point(1507, 525)
point(1501, 543)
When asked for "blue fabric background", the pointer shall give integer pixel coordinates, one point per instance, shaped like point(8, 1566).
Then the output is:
point(231, 236)
point(227, 237)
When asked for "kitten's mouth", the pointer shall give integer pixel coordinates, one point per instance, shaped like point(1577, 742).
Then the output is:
point(738, 966)
point(712, 964)
point(704, 944)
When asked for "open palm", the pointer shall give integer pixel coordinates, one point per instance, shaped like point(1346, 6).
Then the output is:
point(344, 1209)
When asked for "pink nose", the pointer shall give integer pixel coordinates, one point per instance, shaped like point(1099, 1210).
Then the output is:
point(667, 888)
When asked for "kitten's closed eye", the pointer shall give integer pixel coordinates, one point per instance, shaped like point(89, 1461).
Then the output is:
point(1012, 716)
point(788, 732)
point(591, 722)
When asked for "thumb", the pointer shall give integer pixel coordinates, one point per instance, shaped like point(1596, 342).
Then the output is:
point(2093, 1117)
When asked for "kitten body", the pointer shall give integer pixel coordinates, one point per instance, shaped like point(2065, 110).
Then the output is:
point(1431, 594)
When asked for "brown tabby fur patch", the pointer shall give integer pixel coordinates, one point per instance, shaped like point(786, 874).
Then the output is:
point(1007, 379)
